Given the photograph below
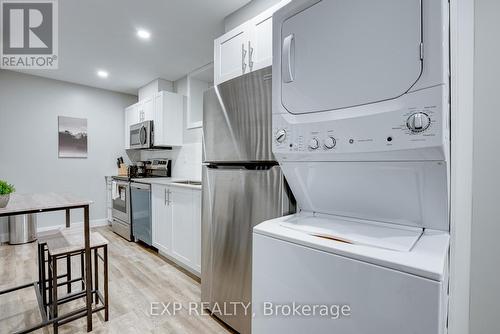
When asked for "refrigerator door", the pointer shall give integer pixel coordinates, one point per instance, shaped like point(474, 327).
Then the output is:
point(235, 199)
point(237, 119)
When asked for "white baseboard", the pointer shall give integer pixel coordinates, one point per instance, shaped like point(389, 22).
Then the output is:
point(4, 237)
point(93, 223)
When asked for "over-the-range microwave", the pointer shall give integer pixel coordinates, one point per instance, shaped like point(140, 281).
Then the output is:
point(142, 135)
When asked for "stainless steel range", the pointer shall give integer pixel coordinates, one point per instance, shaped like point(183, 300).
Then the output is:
point(128, 196)
point(120, 195)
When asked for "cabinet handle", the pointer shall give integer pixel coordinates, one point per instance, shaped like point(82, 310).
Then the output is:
point(243, 55)
point(250, 55)
point(168, 197)
point(165, 196)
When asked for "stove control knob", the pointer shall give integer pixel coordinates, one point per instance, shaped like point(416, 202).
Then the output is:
point(329, 143)
point(314, 144)
point(280, 135)
point(418, 122)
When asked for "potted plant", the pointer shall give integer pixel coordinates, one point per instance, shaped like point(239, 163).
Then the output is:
point(5, 190)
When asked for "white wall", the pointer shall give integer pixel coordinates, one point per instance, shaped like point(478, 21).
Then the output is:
point(29, 107)
point(485, 263)
point(246, 12)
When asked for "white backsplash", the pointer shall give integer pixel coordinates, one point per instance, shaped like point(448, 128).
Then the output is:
point(186, 160)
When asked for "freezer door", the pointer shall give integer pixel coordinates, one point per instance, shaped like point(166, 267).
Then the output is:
point(234, 201)
point(237, 119)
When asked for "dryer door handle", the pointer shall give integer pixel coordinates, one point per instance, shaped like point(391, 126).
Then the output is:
point(288, 59)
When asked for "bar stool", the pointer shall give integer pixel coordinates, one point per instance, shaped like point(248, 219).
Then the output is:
point(67, 244)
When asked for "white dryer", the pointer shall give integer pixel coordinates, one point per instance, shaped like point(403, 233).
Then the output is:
point(361, 126)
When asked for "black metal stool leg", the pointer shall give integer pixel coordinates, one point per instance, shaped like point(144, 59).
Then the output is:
point(106, 306)
point(54, 292)
point(82, 269)
point(68, 272)
point(49, 288)
point(96, 274)
point(40, 263)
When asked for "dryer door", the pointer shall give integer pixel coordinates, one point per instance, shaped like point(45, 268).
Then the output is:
point(343, 53)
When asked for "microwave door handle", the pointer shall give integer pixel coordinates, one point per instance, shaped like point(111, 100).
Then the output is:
point(288, 59)
point(143, 136)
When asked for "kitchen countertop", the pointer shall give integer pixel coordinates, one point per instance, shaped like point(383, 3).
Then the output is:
point(167, 181)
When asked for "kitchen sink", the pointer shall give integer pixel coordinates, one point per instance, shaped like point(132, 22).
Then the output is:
point(193, 183)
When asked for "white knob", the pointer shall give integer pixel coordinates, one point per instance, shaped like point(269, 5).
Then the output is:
point(418, 122)
point(314, 144)
point(330, 142)
point(280, 135)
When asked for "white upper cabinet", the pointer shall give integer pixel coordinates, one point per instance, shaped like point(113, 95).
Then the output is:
point(131, 117)
point(165, 109)
point(168, 120)
point(246, 48)
point(146, 109)
point(231, 54)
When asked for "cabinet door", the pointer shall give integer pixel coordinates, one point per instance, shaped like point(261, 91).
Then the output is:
point(197, 228)
point(147, 110)
point(260, 52)
point(131, 117)
point(231, 54)
point(183, 230)
point(168, 119)
point(162, 218)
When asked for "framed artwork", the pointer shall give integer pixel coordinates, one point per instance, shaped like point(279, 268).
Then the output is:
point(72, 137)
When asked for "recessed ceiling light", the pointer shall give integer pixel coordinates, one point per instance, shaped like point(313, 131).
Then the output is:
point(102, 74)
point(144, 34)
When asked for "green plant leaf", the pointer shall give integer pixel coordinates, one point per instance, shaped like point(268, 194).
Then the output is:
point(6, 188)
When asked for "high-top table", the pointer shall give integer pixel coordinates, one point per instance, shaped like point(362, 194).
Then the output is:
point(44, 202)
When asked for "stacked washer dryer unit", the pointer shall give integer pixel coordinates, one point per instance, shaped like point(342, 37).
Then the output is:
point(361, 124)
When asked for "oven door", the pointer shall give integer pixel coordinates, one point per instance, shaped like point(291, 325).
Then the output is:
point(140, 135)
point(121, 204)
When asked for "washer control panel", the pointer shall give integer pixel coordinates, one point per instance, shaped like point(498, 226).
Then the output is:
point(413, 128)
point(391, 129)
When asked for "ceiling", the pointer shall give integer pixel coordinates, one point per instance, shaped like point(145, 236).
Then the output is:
point(101, 35)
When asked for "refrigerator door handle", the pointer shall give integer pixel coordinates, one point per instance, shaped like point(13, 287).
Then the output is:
point(250, 166)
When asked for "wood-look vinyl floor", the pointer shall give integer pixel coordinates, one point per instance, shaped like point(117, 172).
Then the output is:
point(137, 278)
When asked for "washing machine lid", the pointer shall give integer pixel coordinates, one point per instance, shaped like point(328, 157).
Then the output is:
point(342, 53)
point(358, 232)
point(427, 258)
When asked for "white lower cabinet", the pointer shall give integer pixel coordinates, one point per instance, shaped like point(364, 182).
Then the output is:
point(177, 224)
point(161, 218)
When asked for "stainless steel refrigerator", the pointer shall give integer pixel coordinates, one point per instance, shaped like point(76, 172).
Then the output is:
point(242, 186)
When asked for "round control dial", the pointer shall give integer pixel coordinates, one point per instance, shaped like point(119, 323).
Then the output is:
point(418, 122)
point(314, 144)
point(280, 135)
point(329, 143)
